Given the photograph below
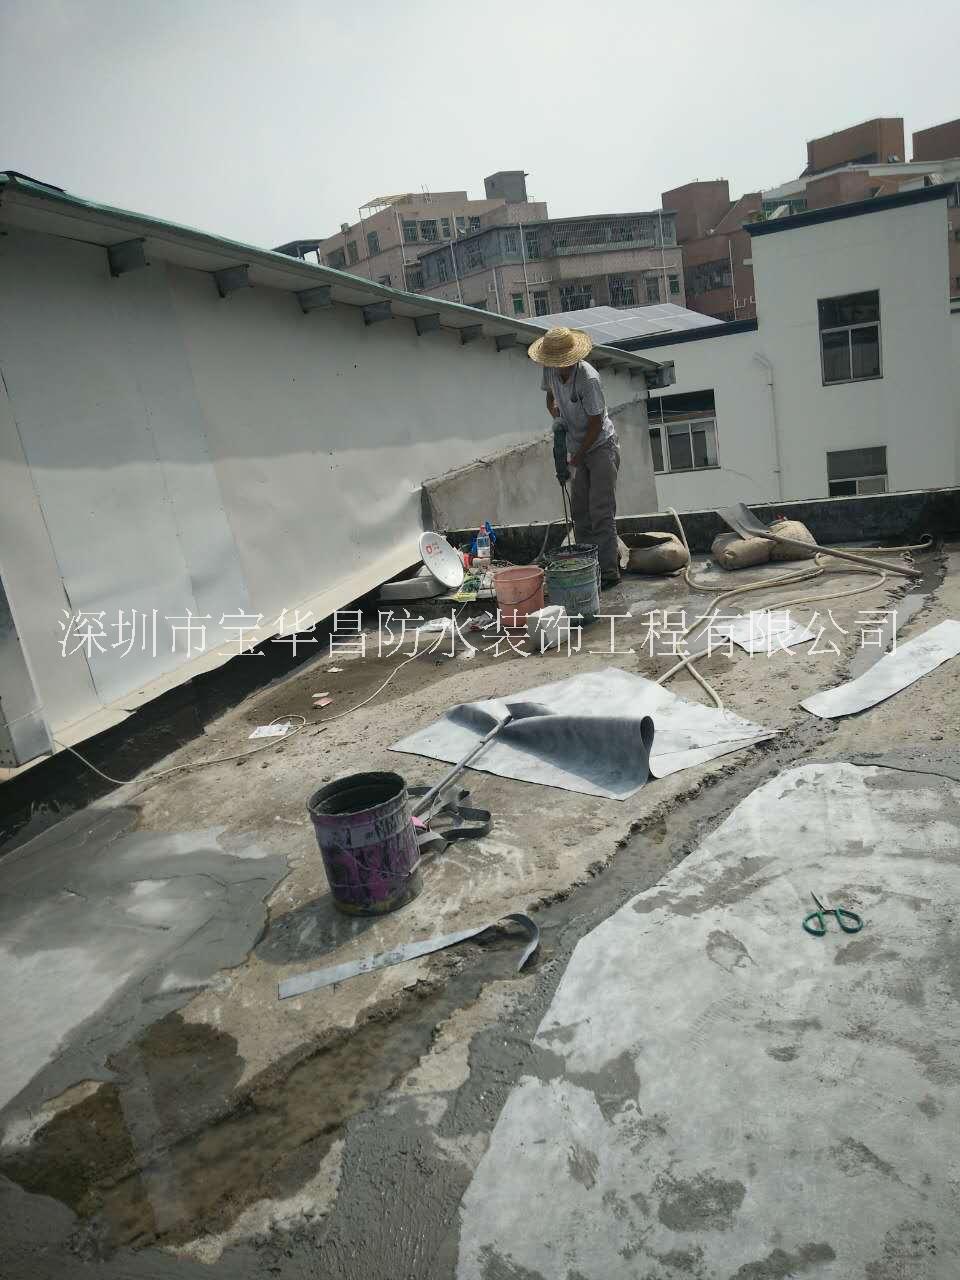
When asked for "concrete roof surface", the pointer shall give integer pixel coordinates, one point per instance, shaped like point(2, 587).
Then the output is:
point(681, 1083)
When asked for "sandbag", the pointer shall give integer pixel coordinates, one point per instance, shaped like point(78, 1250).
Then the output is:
point(799, 532)
point(657, 553)
point(733, 552)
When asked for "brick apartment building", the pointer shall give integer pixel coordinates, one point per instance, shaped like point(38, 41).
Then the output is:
point(855, 164)
point(875, 141)
point(542, 266)
point(390, 232)
point(716, 249)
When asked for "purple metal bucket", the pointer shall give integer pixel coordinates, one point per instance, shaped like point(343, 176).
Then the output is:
point(368, 842)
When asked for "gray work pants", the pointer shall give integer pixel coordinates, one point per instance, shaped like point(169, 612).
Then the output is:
point(593, 503)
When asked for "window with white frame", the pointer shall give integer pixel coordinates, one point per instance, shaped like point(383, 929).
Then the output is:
point(683, 431)
point(428, 229)
point(532, 240)
point(445, 228)
point(511, 242)
point(541, 302)
point(410, 232)
point(857, 471)
point(850, 337)
point(441, 268)
point(373, 243)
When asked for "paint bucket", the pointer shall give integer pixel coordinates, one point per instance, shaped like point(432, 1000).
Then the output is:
point(573, 580)
point(368, 842)
point(519, 592)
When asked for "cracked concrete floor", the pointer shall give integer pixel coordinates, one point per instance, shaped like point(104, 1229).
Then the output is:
point(337, 1134)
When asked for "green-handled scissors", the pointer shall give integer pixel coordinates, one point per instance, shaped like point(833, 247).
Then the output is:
point(848, 921)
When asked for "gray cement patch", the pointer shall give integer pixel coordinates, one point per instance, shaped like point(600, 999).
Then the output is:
point(775, 1087)
point(103, 931)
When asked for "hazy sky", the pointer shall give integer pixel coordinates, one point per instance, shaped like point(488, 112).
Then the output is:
point(267, 120)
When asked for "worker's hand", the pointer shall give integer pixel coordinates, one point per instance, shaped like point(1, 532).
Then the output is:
point(555, 411)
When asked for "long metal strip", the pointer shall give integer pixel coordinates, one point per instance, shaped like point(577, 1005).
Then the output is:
point(313, 981)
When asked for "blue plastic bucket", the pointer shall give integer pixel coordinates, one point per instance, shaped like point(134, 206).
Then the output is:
point(573, 580)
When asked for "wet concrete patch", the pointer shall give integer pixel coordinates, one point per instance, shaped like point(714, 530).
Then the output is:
point(727, 951)
point(909, 1250)
point(614, 1086)
point(496, 1267)
point(120, 1136)
point(855, 1158)
point(780, 1265)
point(784, 1052)
point(150, 1161)
point(701, 1203)
point(727, 888)
point(105, 929)
point(402, 1214)
point(309, 932)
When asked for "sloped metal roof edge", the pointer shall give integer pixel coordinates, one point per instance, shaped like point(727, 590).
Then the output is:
point(302, 275)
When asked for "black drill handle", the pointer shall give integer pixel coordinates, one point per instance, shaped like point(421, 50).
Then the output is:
point(560, 463)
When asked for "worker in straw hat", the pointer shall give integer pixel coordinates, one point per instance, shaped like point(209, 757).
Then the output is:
point(575, 396)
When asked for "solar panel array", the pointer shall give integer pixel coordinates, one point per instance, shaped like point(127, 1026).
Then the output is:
point(614, 324)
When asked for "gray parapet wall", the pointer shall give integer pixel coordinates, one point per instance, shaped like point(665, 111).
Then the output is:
point(519, 483)
point(880, 518)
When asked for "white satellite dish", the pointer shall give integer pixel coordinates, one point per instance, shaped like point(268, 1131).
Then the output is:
point(442, 560)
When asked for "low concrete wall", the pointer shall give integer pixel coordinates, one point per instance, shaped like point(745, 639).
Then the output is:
point(886, 517)
point(519, 484)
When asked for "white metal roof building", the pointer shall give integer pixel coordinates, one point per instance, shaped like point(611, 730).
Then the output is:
point(200, 438)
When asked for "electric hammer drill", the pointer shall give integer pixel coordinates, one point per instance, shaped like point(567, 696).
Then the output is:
point(560, 463)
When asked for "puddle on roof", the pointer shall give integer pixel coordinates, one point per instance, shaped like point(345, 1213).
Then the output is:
point(151, 1161)
point(884, 636)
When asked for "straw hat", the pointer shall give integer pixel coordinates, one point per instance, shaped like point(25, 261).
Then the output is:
point(559, 348)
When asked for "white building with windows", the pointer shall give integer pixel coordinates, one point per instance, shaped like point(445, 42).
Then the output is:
point(846, 383)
